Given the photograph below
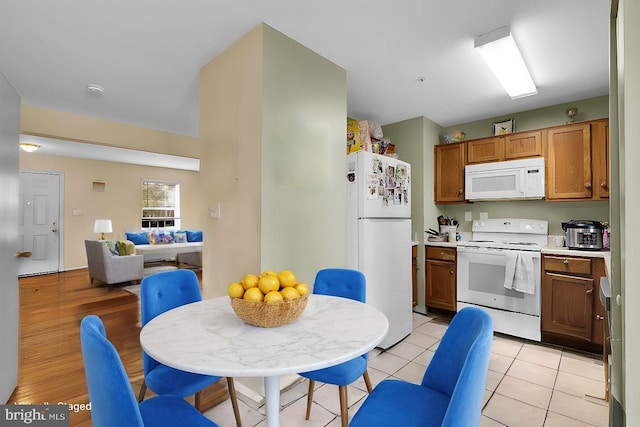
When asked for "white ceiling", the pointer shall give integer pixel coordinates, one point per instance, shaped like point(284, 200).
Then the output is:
point(148, 53)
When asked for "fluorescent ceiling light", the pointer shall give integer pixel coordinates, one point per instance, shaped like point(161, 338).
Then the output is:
point(501, 53)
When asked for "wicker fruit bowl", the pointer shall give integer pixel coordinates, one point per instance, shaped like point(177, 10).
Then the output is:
point(269, 314)
point(270, 299)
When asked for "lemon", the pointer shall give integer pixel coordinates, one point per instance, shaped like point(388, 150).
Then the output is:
point(268, 273)
point(235, 290)
point(302, 288)
point(290, 293)
point(287, 278)
point(253, 294)
point(273, 296)
point(268, 283)
point(249, 281)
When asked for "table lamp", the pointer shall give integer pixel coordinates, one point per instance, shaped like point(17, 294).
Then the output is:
point(102, 226)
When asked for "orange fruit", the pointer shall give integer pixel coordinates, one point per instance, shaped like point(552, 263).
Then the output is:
point(303, 288)
point(287, 278)
point(268, 283)
point(253, 294)
point(235, 290)
point(273, 296)
point(289, 293)
point(249, 281)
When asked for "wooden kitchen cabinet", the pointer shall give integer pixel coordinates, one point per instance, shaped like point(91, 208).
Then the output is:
point(523, 144)
point(414, 273)
point(485, 150)
point(440, 278)
point(578, 161)
point(600, 149)
point(571, 311)
point(449, 162)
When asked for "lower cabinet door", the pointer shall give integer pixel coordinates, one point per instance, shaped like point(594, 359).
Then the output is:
point(567, 305)
point(440, 280)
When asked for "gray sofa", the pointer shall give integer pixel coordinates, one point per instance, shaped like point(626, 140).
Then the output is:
point(109, 268)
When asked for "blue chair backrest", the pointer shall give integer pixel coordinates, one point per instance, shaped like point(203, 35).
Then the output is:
point(110, 392)
point(459, 366)
point(341, 282)
point(162, 292)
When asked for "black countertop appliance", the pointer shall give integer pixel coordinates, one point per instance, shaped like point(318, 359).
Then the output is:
point(583, 234)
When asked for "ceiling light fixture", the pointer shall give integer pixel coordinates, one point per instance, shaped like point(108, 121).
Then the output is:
point(95, 89)
point(499, 50)
point(29, 148)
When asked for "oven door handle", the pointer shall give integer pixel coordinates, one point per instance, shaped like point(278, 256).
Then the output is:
point(490, 251)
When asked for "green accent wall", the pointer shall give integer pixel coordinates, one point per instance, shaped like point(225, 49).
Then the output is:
point(303, 159)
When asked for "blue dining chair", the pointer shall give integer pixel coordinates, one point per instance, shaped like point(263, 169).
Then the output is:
point(343, 283)
point(161, 292)
point(452, 388)
point(112, 400)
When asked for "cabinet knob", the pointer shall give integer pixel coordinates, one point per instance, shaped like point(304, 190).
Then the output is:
point(603, 184)
point(566, 262)
point(587, 185)
point(451, 272)
point(460, 190)
point(589, 291)
point(599, 317)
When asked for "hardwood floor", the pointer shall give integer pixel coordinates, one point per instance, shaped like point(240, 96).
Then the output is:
point(50, 360)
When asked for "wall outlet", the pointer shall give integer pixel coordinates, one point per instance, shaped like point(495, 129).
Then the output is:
point(76, 212)
point(467, 216)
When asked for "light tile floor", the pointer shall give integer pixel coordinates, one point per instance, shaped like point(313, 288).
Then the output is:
point(528, 384)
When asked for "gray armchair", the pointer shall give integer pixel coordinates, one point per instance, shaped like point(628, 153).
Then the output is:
point(109, 268)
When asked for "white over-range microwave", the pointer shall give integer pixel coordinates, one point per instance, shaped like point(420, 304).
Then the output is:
point(513, 179)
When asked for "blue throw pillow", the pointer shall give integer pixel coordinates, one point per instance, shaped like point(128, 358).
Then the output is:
point(194, 236)
point(138, 238)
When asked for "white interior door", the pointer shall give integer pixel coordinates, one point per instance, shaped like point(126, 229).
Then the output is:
point(39, 227)
point(9, 302)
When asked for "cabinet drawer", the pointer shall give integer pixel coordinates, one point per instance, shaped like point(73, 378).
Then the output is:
point(444, 254)
point(567, 264)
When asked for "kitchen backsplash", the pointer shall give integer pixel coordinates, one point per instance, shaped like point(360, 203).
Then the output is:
point(554, 212)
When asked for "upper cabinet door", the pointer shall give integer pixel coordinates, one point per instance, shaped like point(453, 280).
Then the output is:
point(523, 144)
point(569, 162)
point(449, 173)
point(485, 150)
point(600, 151)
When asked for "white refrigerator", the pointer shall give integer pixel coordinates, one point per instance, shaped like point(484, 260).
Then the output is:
point(379, 236)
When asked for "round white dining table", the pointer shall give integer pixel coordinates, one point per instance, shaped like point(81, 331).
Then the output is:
point(206, 337)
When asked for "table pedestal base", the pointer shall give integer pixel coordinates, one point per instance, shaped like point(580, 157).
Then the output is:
point(272, 398)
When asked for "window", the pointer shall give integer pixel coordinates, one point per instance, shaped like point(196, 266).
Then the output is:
point(160, 204)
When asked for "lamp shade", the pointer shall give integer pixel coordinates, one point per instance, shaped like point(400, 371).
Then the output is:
point(102, 226)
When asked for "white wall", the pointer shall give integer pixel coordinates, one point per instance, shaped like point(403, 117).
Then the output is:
point(9, 131)
point(629, 130)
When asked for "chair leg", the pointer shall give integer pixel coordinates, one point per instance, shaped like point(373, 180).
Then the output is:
point(143, 391)
point(234, 400)
point(310, 398)
point(367, 381)
point(197, 401)
point(344, 406)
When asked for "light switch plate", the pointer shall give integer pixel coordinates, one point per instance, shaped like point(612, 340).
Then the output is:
point(467, 216)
